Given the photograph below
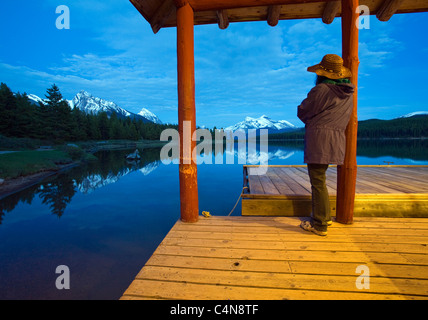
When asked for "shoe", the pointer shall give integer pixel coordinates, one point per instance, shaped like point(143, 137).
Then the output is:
point(329, 222)
point(306, 225)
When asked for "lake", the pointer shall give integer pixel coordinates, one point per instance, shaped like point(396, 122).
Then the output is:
point(104, 219)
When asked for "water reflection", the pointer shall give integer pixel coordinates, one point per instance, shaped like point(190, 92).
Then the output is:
point(57, 191)
point(412, 149)
point(57, 194)
point(115, 213)
point(291, 152)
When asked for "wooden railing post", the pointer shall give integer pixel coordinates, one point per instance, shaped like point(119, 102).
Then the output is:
point(189, 205)
point(347, 173)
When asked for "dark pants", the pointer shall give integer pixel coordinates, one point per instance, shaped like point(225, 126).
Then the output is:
point(320, 200)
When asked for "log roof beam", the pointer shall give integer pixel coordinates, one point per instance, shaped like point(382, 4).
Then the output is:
point(204, 5)
point(223, 19)
point(273, 15)
point(162, 13)
point(330, 11)
point(388, 9)
point(166, 8)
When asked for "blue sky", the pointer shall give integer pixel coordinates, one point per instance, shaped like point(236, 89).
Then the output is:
point(249, 69)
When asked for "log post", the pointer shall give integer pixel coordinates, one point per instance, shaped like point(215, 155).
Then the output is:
point(189, 205)
point(347, 173)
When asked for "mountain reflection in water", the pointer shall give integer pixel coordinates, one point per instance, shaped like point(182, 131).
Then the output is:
point(57, 191)
point(105, 218)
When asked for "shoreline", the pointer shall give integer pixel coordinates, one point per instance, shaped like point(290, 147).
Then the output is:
point(11, 186)
point(14, 185)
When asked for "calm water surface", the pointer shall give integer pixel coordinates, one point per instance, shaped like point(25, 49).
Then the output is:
point(104, 220)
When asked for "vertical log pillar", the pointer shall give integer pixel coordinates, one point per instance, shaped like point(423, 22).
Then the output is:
point(347, 173)
point(189, 205)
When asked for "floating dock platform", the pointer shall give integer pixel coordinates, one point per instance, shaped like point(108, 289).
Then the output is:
point(390, 190)
point(264, 256)
point(272, 258)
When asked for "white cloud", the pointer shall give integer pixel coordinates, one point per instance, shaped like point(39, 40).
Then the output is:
point(247, 69)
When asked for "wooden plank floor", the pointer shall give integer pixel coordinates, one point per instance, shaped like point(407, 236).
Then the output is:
point(272, 258)
point(393, 190)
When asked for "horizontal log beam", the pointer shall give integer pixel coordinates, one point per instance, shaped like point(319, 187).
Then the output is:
point(203, 5)
point(387, 9)
point(330, 11)
point(273, 15)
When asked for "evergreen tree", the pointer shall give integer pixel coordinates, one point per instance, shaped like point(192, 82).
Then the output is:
point(57, 122)
point(45, 123)
point(7, 109)
point(24, 117)
point(78, 125)
point(92, 129)
point(133, 133)
point(53, 96)
point(104, 125)
point(59, 115)
point(115, 127)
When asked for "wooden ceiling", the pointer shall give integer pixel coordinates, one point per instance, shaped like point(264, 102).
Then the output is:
point(162, 13)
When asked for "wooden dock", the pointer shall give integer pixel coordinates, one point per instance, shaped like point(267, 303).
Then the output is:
point(272, 258)
point(400, 191)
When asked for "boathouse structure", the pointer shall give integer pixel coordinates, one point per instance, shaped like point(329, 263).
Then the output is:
point(255, 256)
point(185, 14)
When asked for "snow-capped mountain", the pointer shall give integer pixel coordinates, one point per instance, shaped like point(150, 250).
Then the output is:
point(90, 104)
point(87, 103)
point(260, 157)
point(35, 98)
point(149, 115)
point(94, 181)
point(264, 122)
point(417, 113)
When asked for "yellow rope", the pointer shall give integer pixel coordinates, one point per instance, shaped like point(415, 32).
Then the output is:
point(206, 214)
point(238, 200)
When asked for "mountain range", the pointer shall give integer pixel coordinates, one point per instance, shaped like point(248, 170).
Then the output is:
point(264, 122)
point(84, 101)
point(282, 126)
point(417, 113)
point(93, 105)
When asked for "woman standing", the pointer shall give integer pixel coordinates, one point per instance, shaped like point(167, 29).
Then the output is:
point(325, 112)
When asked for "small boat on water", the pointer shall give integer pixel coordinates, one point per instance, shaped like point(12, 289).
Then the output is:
point(134, 156)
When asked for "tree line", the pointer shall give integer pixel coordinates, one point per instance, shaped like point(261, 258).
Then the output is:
point(56, 121)
point(411, 127)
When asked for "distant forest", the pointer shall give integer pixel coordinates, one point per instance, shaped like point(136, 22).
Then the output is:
point(55, 121)
point(412, 127)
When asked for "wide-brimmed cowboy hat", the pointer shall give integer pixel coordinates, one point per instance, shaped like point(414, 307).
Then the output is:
point(331, 67)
